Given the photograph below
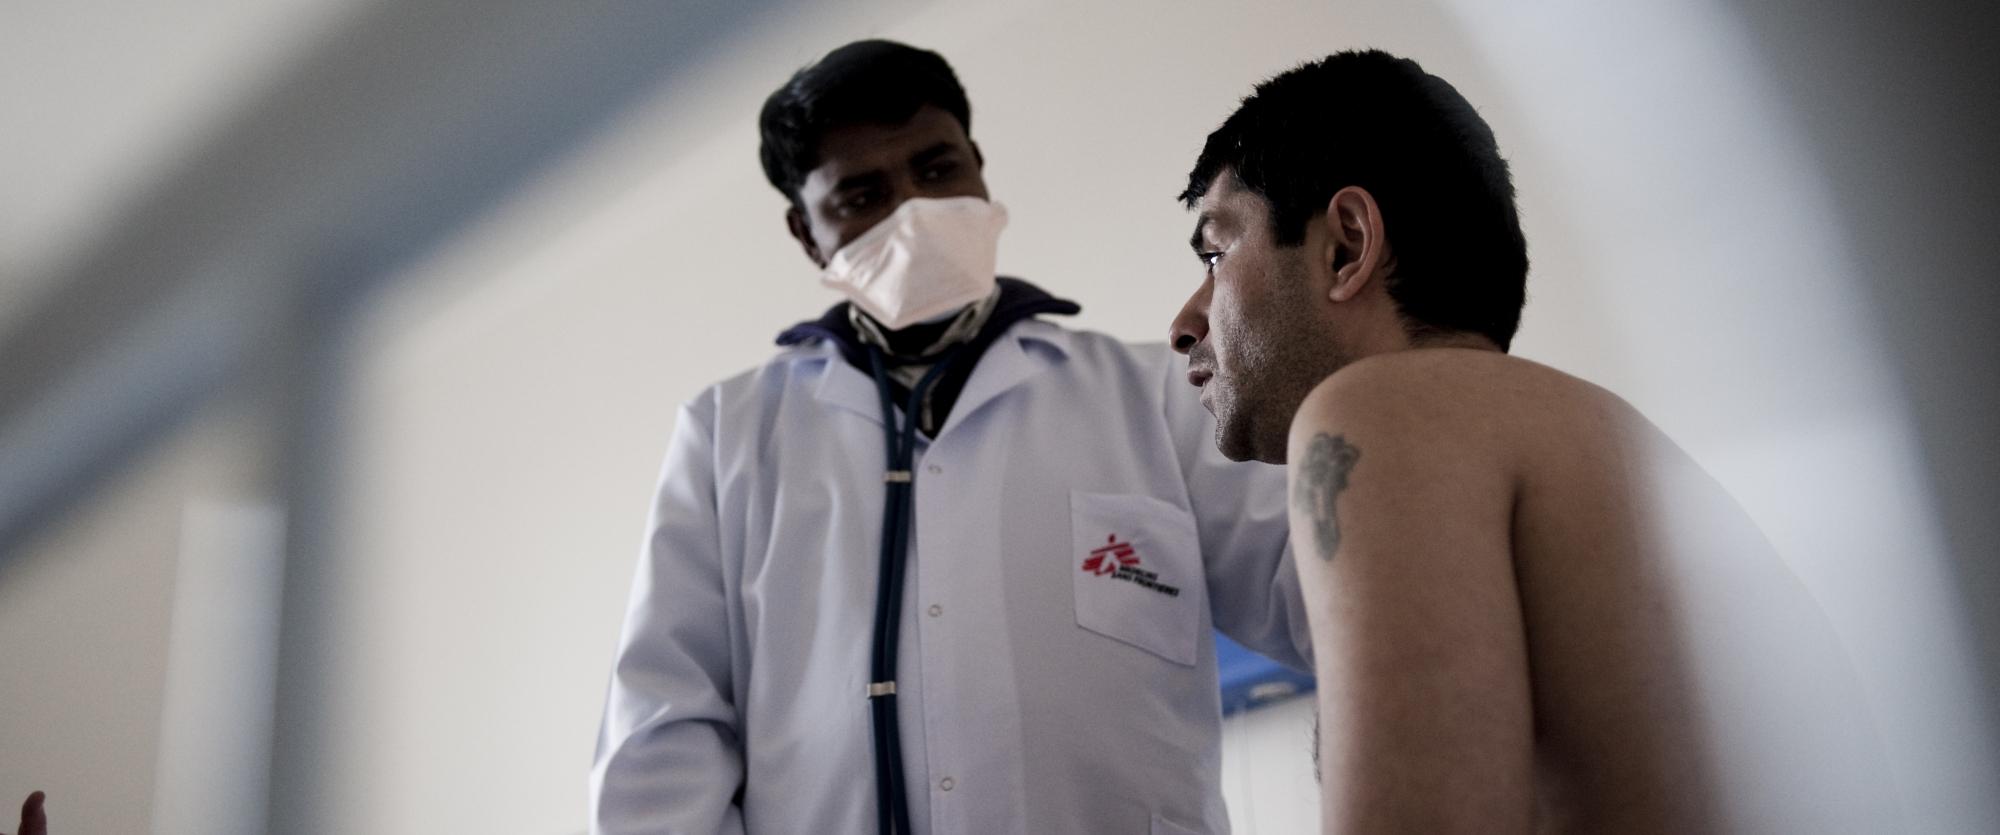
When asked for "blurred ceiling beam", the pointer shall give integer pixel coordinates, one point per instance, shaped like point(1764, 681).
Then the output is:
point(393, 133)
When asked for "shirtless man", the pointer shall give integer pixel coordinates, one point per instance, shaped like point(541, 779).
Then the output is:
point(1531, 612)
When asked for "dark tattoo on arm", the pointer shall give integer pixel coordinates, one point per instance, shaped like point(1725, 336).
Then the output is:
point(1322, 475)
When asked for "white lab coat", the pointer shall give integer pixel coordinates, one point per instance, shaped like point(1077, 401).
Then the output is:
point(1040, 692)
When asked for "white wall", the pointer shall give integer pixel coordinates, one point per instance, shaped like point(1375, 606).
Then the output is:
point(95, 660)
point(83, 621)
point(103, 95)
point(1267, 770)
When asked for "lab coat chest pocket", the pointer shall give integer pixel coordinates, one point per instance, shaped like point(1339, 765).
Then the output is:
point(1135, 563)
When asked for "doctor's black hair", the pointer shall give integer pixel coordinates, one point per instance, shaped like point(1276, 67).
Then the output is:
point(871, 82)
point(1376, 121)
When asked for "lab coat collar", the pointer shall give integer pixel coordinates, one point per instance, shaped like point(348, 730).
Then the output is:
point(841, 385)
point(1007, 363)
point(1002, 365)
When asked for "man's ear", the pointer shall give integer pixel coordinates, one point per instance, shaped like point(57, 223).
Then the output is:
point(1357, 244)
point(795, 221)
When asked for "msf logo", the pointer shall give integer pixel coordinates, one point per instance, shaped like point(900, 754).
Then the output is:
point(1120, 561)
point(1107, 559)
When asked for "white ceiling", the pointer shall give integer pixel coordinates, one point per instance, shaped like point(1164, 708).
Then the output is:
point(102, 98)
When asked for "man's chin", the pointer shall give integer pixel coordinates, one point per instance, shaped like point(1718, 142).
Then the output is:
point(1236, 439)
point(1233, 443)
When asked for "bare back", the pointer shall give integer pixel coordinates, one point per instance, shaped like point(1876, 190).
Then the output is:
point(1540, 615)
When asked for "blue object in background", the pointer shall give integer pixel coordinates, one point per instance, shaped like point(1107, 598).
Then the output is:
point(1249, 679)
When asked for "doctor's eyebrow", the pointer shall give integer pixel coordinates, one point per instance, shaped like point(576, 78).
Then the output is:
point(1194, 240)
point(925, 156)
point(855, 181)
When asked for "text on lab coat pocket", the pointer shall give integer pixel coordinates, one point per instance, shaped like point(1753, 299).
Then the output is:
point(1135, 564)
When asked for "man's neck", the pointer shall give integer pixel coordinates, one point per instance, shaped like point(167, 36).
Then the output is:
point(1454, 339)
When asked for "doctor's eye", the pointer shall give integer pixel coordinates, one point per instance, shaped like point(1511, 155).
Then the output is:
point(1209, 259)
point(855, 201)
point(938, 171)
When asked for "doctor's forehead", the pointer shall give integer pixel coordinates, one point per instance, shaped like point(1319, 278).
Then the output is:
point(848, 150)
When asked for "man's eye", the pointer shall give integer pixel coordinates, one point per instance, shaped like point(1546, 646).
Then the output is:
point(1208, 259)
point(937, 172)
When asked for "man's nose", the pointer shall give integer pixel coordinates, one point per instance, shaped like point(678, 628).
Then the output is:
point(1191, 326)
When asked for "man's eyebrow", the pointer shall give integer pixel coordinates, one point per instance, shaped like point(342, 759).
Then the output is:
point(1194, 240)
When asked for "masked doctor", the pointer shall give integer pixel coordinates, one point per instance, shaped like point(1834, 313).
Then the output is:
point(940, 565)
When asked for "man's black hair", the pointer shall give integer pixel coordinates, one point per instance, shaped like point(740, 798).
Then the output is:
point(872, 82)
point(1373, 120)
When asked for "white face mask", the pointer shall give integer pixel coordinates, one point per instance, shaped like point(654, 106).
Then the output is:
point(928, 258)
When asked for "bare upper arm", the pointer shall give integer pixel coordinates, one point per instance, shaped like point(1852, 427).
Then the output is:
point(1401, 509)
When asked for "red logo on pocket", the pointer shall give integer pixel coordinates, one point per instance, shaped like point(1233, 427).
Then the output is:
point(1120, 561)
point(1107, 559)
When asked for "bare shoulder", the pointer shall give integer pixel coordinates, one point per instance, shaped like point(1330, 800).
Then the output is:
point(1464, 399)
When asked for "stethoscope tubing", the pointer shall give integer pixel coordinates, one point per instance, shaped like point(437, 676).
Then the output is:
point(900, 437)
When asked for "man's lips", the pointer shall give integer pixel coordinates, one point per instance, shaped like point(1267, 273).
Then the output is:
point(1197, 377)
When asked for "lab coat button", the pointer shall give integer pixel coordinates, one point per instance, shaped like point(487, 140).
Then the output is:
point(936, 610)
point(934, 469)
point(946, 784)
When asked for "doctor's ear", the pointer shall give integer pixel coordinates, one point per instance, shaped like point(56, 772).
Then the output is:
point(801, 229)
point(1357, 245)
